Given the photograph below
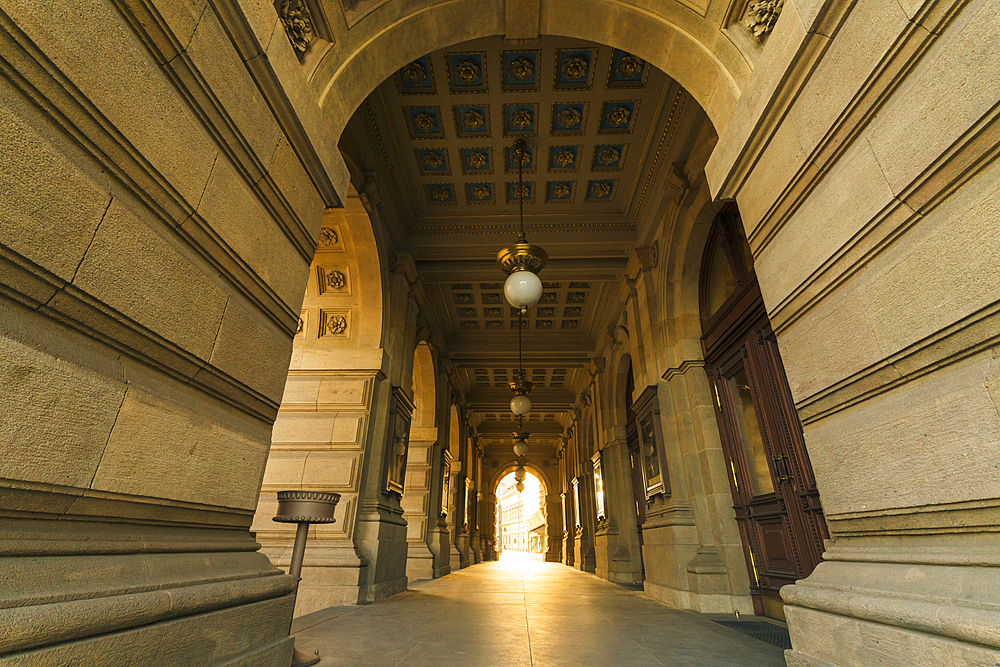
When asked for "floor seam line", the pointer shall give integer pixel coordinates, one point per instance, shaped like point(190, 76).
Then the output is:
point(631, 639)
point(415, 647)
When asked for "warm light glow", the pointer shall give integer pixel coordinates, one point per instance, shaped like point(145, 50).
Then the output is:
point(520, 447)
point(523, 289)
point(520, 404)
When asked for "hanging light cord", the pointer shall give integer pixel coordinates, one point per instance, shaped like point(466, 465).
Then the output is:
point(520, 192)
point(520, 360)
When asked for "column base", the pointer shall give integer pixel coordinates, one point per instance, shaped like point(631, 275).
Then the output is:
point(703, 603)
point(115, 593)
point(419, 561)
point(860, 611)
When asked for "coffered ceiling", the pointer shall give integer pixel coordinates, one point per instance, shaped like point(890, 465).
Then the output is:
point(599, 123)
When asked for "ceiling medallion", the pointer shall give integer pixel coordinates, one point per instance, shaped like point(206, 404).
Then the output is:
point(467, 71)
point(440, 193)
point(569, 118)
point(520, 119)
point(574, 68)
point(521, 69)
point(480, 192)
point(629, 66)
point(564, 158)
point(600, 190)
point(472, 120)
point(433, 160)
point(521, 192)
point(477, 159)
point(618, 116)
point(414, 73)
point(561, 191)
point(608, 156)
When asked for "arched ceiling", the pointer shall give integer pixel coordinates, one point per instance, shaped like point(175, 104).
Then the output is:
point(601, 126)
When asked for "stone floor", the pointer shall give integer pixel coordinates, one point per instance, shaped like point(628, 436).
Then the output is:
point(521, 611)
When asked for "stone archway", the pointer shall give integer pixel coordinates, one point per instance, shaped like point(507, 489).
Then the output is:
point(682, 44)
point(552, 505)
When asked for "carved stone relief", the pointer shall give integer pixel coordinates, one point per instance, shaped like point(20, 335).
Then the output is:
point(330, 239)
point(761, 16)
point(334, 323)
point(298, 24)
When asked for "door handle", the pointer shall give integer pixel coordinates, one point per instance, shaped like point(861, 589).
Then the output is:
point(782, 468)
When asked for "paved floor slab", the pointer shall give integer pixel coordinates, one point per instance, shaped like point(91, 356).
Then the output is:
point(521, 611)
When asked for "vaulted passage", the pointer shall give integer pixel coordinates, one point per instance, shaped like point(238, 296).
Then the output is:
point(257, 249)
point(522, 611)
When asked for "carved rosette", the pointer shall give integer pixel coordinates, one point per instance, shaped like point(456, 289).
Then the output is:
point(600, 190)
point(425, 121)
point(440, 193)
point(761, 16)
point(477, 159)
point(328, 237)
point(336, 280)
point(336, 325)
point(520, 119)
point(467, 71)
point(608, 156)
point(629, 66)
point(574, 68)
point(564, 158)
point(569, 118)
point(472, 120)
point(618, 116)
point(520, 69)
point(561, 191)
point(298, 24)
point(433, 160)
point(414, 73)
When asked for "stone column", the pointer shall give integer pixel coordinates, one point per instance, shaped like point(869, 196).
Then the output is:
point(616, 539)
point(439, 538)
point(416, 503)
point(584, 538)
point(554, 528)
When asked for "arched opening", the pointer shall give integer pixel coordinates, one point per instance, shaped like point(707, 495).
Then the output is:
point(521, 525)
point(422, 516)
point(712, 71)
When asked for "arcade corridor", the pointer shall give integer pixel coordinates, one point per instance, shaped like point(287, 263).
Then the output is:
point(522, 611)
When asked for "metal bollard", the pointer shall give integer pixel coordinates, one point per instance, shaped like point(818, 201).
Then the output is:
point(304, 508)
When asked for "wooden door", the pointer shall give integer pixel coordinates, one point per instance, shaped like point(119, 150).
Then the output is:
point(774, 493)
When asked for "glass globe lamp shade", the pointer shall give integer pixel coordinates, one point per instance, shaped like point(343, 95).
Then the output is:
point(519, 486)
point(520, 447)
point(523, 289)
point(520, 404)
point(519, 473)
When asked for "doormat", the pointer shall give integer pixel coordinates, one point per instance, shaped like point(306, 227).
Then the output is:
point(766, 632)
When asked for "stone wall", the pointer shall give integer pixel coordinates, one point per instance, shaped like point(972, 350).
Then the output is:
point(159, 212)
